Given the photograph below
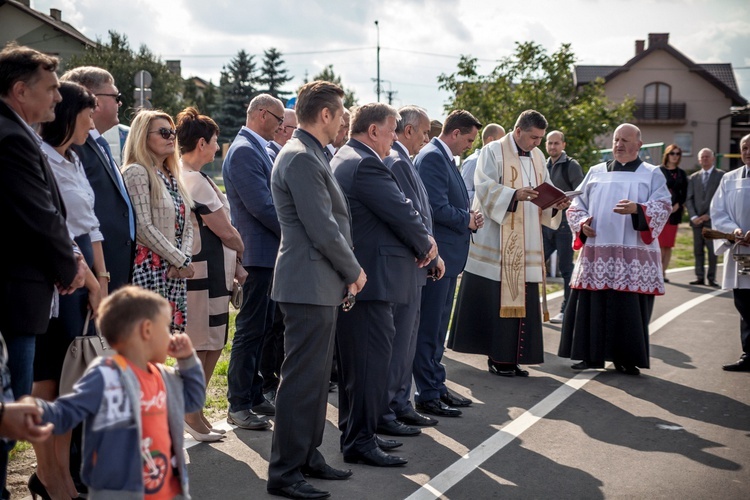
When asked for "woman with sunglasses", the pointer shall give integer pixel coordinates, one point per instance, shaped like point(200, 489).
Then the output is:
point(216, 247)
point(71, 126)
point(677, 183)
point(164, 234)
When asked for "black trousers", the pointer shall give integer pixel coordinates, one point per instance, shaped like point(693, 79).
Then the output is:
point(742, 303)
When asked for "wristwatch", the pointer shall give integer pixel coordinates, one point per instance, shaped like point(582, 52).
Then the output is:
point(103, 275)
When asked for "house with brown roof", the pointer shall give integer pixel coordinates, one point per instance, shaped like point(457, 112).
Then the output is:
point(677, 100)
point(46, 33)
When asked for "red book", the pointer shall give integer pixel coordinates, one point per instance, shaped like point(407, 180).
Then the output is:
point(548, 195)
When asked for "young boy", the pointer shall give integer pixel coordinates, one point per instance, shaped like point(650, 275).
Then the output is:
point(131, 404)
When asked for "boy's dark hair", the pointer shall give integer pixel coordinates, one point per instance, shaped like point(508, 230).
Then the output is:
point(75, 98)
point(462, 120)
point(22, 63)
point(120, 312)
point(313, 97)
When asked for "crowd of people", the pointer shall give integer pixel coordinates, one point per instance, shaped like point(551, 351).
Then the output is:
point(347, 232)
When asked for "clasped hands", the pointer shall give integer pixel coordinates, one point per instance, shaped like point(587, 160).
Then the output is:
point(740, 238)
point(181, 272)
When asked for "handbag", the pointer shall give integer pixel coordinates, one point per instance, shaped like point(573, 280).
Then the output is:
point(81, 352)
point(236, 299)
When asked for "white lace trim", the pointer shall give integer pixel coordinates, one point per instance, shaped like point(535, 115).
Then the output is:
point(627, 269)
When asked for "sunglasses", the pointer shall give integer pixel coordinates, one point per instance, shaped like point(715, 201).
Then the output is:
point(117, 97)
point(676, 153)
point(165, 133)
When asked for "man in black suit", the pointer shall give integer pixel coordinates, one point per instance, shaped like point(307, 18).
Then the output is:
point(39, 256)
point(399, 415)
point(389, 236)
point(315, 269)
point(112, 203)
point(701, 188)
point(453, 224)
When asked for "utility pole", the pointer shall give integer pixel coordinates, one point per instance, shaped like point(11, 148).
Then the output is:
point(377, 27)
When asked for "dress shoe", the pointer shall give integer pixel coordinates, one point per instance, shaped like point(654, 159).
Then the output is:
point(270, 396)
point(387, 444)
point(413, 417)
point(209, 437)
point(437, 407)
point(580, 366)
point(697, 282)
point(264, 408)
point(556, 319)
point(376, 457)
point(627, 369)
point(455, 400)
point(743, 365)
point(246, 419)
point(506, 369)
point(396, 428)
point(327, 473)
point(300, 489)
point(713, 284)
point(332, 386)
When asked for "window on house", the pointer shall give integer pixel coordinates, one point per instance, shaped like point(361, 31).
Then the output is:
point(657, 97)
point(685, 141)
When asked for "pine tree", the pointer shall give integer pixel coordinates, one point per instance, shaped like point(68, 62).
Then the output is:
point(273, 75)
point(237, 87)
point(328, 75)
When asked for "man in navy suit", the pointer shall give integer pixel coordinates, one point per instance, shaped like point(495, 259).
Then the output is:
point(112, 203)
point(453, 223)
point(282, 134)
point(389, 237)
point(412, 132)
point(247, 177)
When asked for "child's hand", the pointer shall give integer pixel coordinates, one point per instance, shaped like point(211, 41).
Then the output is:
point(180, 346)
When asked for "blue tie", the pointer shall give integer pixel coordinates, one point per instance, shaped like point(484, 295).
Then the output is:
point(101, 141)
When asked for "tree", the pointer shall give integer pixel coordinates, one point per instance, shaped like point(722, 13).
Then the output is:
point(237, 87)
point(123, 63)
point(533, 79)
point(273, 75)
point(203, 97)
point(328, 75)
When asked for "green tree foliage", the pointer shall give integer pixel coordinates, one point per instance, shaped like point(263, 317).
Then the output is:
point(533, 79)
point(118, 58)
point(273, 75)
point(204, 99)
point(237, 87)
point(329, 76)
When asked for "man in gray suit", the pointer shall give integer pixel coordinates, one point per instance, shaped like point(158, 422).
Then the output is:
point(701, 188)
point(315, 269)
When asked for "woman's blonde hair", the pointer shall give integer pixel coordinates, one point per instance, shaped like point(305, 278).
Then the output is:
point(136, 151)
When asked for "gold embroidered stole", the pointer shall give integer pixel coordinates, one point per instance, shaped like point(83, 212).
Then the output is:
point(513, 243)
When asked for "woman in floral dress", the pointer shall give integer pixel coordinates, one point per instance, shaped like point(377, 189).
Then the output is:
point(164, 234)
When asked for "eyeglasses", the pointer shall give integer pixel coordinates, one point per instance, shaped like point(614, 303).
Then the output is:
point(677, 153)
point(281, 120)
point(117, 97)
point(166, 133)
point(285, 127)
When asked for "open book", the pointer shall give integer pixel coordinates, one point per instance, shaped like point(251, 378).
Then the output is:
point(550, 195)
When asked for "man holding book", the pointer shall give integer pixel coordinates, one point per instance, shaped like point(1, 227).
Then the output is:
point(498, 311)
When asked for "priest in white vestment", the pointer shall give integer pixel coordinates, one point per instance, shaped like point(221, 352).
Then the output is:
point(497, 312)
point(616, 222)
point(730, 213)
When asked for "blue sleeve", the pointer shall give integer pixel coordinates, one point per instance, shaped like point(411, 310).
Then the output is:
point(252, 182)
point(71, 409)
point(436, 181)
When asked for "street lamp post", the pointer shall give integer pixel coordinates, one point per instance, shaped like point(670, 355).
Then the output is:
point(377, 27)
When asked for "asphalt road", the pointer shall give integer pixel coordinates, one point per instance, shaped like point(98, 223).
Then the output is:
point(679, 430)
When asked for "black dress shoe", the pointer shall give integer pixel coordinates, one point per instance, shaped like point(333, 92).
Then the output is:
point(437, 407)
point(506, 369)
point(627, 369)
point(396, 428)
point(328, 473)
point(743, 365)
point(376, 457)
point(580, 366)
point(713, 284)
point(413, 417)
point(300, 489)
point(387, 444)
point(697, 282)
point(455, 400)
point(666, 280)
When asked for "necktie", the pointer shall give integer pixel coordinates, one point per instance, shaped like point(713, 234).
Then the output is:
point(102, 142)
point(327, 153)
point(705, 179)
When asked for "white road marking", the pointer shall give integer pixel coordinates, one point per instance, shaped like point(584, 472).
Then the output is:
point(456, 472)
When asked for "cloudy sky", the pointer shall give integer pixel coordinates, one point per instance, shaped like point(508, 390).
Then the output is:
point(419, 39)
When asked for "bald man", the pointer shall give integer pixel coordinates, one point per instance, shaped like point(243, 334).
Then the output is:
point(616, 222)
point(491, 132)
